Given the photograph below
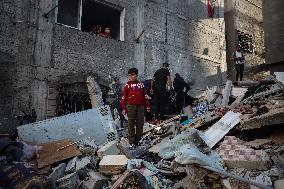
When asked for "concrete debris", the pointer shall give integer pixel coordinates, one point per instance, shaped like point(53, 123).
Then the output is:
point(279, 76)
point(71, 166)
point(183, 151)
point(227, 93)
point(279, 184)
point(237, 91)
point(70, 181)
point(264, 180)
point(108, 149)
point(235, 155)
point(95, 181)
point(257, 143)
point(273, 117)
point(57, 173)
point(221, 128)
point(113, 164)
point(83, 163)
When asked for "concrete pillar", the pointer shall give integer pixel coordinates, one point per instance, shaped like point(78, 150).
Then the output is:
point(140, 46)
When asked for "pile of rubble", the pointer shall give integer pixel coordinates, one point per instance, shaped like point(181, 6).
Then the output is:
point(230, 139)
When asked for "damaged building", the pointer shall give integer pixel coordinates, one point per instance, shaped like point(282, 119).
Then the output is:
point(67, 122)
point(48, 48)
point(244, 27)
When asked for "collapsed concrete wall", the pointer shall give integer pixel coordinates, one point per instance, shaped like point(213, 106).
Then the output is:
point(155, 31)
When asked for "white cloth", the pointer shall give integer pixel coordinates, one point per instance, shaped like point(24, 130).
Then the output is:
point(239, 55)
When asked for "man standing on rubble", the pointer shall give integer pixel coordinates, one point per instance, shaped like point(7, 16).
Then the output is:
point(133, 103)
point(239, 58)
point(181, 88)
point(159, 85)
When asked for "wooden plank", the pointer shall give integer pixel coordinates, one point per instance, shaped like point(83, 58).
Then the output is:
point(120, 180)
point(94, 92)
point(49, 154)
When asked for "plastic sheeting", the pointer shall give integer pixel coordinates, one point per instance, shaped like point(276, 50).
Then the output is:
point(186, 150)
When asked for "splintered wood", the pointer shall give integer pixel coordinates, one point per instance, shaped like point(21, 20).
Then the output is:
point(49, 154)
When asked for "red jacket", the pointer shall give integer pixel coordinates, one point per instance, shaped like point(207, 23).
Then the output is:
point(134, 93)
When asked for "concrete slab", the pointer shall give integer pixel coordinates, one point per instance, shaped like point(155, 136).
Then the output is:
point(113, 164)
point(94, 123)
point(273, 117)
point(279, 184)
point(215, 133)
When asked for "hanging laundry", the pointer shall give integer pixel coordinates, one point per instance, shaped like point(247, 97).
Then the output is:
point(211, 8)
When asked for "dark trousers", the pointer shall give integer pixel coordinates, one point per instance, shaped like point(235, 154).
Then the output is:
point(135, 115)
point(180, 99)
point(240, 71)
point(161, 102)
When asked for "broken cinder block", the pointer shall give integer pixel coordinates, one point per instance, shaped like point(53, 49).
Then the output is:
point(113, 164)
point(236, 155)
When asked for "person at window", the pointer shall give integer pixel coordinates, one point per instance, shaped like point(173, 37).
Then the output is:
point(159, 85)
point(106, 33)
point(181, 88)
point(239, 58)
point(134, 100)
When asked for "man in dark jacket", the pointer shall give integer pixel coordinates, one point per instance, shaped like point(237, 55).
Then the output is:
point(159, 88)
point(181, 88)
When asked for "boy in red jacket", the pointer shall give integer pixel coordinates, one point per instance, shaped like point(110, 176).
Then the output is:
point(133, 103)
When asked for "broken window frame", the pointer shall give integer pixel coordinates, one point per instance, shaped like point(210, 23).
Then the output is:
point(107, 4)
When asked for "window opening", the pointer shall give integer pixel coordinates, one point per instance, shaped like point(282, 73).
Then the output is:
point(68, 13)
point(100, 19)
point(93, 16)
point(245, 41)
